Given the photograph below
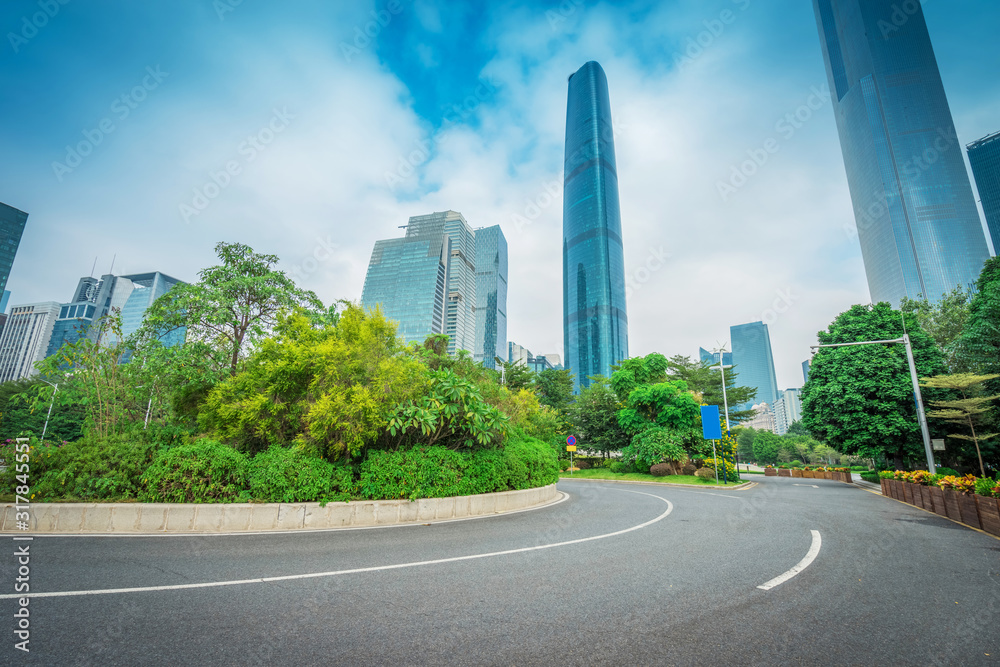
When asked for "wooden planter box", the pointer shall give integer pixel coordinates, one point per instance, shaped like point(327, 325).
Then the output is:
point(895, 489)
point(885, 486)
point(770, 472)
point(937, 495)
point(951, 504)
point(928, 498)
point(808, 474)
point(970, 514)
point(796, 473)
point(848, 477)
point(989, 514)
point(784, 472)
point(908, 495)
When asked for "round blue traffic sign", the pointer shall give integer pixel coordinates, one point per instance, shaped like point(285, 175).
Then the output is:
point(571, 440)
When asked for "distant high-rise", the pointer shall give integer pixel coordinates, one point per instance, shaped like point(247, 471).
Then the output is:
point(4, 300)
point(754, 361)
point(984, 156)
point(805, 370)
point(713, 357)
point(787, 410)
point(25, 339)
point(916, 217)
point(491, 296)
point(517, 354)
point(595, 323)
point(11, 228)
point(426, 281)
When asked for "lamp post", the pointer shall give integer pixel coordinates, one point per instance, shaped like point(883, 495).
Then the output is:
point(725, 404)
point(54, 390)
point(918, 397)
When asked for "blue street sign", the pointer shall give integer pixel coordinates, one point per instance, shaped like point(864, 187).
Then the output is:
point(711, 428)
point(571, 440)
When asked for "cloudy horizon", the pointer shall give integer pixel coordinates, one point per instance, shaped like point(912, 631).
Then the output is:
point(148, 134)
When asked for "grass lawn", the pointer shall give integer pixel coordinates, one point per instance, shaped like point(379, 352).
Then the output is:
point(598, 473)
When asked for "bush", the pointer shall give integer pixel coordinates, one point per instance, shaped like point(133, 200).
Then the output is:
point(620, 467)
point(941, 471)
point(859, 468)
point(705, 473)
point(871, 476)
point(688, 469)
point(284, 475)
point(581, 465)
point(563, 465)
point(730, 469)
point(652, 446)
point(204, 471)
point(660, 470)
point(986, 487)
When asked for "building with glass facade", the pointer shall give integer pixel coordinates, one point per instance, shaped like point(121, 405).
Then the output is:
point(595, 322)
point(916, 217)
point(426, 281)
point(25, 339)
point(787, 410)
point(753, 361)
point(11, 229)
point(4, 300)
point(517, 354)
point(491, 296)
point(713, 357)
point(805, 370)
point(984, 156)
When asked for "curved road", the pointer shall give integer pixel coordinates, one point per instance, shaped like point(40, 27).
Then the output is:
point(614, 574)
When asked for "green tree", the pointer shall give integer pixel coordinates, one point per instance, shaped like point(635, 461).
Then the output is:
point(517, 376)
point(796, 428)
point(666, 404)
point(633, 373)
point(859, 399)
point(744, 439)
point(232, 308)
point(979, 347)
point(705, 380)
point(967, 411)
point(555, 389)
point(943, 320)
point(766, 447)
point(594, 418)
point(20, 412)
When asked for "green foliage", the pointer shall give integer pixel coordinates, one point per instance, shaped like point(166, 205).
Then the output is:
point(705, 473)
point(943, 320)
point(517, 376)
point(21, 413)
point(555, 389)
point(721, 465)
point(871, 476)
point(632, 373)
point(204, 471)
point(621, 467)
point(232, 308)
point(705, 380)
point(859, 399)
point(986, 487)
point(651, 446)
point(284, 475)
point(438, 472)
point(667, 404)
point(594, 418)
point(745, 438)
point(765, 447)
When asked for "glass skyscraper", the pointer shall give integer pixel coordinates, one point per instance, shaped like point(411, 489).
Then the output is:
point(426, 281)
point(754, 362)
point(595, 323)
point(11, 228)
point(713, 357)
point(491, 295)
point(984, 156)
point(917, 220)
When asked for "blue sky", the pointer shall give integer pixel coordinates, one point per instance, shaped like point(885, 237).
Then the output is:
point(284, 127)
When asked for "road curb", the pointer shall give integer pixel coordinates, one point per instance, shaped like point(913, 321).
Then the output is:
point(963, 525)
point(186, 519)
point(744, 485)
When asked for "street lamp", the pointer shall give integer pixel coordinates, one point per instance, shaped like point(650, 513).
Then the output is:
point(921, 417)
point(725, 404)
point(56, 388)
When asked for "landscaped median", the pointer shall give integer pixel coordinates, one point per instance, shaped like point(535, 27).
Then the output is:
point(972, 501)
point(835, 474)
point(237, 517)
point(608, 476)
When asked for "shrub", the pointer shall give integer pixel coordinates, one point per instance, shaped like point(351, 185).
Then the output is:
point(563, 465)
point(705, 473)
point(620, 467)
point(284, 475)
point(652, 446)
point(947, 471)
point(688, 469)
point(871, 476)
point(730, 469)
point(985, 487)
point(581, 465)
point(660, 470)
point(204, 471)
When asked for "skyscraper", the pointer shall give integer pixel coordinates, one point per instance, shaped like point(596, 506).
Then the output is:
point(517, 354)
point(25, 339)
point(805, 370)
point(426, 281)
point(713, 357)
point(754, 362)
point(916, 217)
point(595, 323)
point(491, 295)
point(984, 156)
point(11, 228)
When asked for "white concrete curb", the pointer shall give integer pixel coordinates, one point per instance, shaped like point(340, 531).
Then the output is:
point(138, 518)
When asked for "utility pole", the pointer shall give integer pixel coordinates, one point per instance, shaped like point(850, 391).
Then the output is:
point(54, 390)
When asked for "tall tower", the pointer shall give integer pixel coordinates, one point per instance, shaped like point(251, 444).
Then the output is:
point(754, 361)
point(595, 323)
point(491, 295)
point(11, 228)
point(984, 156)
point(917, 221)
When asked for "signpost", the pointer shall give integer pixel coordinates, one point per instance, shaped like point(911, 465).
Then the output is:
point(711, 429)
point(571, 447)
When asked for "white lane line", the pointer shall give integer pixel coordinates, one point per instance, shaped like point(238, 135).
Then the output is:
point(803, 564)
point(314, 575)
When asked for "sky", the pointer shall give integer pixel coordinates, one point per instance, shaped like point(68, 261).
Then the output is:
point(144, 133)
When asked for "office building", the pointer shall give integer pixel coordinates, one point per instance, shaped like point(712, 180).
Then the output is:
point(539, 364)
point(555, 360)
point(4, 300)
point(763, 418)
point(426, 281)
point(11, 229)
point(753, 361)
point(491, 296)
point(916, 217)
point(805, 370)
point(984, 156)
point(787, 410)
point(712, 358)
point(595, 323)
point(517, 354)
point(25, 339)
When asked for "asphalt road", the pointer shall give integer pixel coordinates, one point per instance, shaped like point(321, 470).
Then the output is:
point(615, 574)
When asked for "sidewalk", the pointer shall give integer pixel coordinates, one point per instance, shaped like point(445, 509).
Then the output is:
point(856, 477)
